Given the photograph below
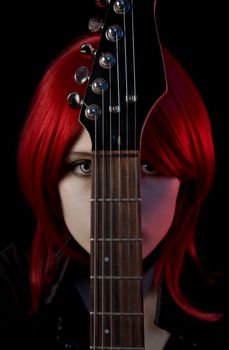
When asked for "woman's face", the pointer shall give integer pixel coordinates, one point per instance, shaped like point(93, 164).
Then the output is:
point(158, 198)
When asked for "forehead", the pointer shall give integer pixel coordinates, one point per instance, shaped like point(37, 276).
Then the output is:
point(83, 142)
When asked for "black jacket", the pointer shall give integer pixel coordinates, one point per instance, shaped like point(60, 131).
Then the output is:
point(62, 321)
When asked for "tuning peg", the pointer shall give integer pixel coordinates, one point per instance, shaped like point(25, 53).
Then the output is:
point(81, 75)
point(114, 33)
point(121, 6)
point(74, 100)
point(99, 86)
point(87, 49)
point(102, 3)
point(107, 60)
point(95, 24)
point(93, 112)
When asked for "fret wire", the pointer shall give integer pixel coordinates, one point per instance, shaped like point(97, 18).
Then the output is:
point(115, 199)
point(138, 240)
point(117, 277)
point(117, 313)
point(117, 347)
point(112, 154)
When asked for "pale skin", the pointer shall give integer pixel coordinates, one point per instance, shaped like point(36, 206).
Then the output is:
point(158, 203)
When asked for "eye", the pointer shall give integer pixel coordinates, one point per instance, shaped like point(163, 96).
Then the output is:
point(81, 167)
point(147, 168)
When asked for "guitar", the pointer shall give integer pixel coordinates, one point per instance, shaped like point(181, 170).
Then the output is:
point(122, 88)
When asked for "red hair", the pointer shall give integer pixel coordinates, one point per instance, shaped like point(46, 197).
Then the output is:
point(177, 140)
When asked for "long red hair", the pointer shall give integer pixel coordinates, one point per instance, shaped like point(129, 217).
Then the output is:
point(177, 140)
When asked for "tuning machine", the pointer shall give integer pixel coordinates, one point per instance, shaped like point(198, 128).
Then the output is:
point(114, 33)
point(93, 112)
point(87, 49)
point(121, 6)
point(99, 86)
point(81, 75)
point(95, 24)
point(107, 60)
point(74, 100)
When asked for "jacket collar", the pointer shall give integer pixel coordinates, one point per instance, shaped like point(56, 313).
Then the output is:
point(169, 315)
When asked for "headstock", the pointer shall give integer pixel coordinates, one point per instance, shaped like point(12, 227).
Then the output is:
point(127, 77)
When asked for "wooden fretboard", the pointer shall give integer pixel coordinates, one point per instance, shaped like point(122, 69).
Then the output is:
point(116, 259)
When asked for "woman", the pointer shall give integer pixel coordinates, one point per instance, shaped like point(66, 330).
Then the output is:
point(44, 299)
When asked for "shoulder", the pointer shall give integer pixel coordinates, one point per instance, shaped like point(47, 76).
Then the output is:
point(14, 281)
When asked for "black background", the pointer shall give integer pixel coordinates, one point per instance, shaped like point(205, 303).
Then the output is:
point(32, 36)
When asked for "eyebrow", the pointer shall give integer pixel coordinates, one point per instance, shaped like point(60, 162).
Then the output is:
point(80, 154)
point(83, 153)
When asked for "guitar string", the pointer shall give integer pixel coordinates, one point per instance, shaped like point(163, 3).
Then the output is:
point(111, 220)
point(119, 171)
point(94, 280)
point(137, 172)
point(128, 164)
point(103, 207)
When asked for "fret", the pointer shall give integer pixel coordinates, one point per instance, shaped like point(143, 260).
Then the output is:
point(116, 154)
point(117, 348)
point(117, 277)
point(117, 313)
point(138, 240)
point(115, 199)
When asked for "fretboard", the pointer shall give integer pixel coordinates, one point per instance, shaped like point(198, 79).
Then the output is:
point(116, 316)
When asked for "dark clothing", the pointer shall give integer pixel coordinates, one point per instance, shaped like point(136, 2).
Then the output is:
point(62, 321)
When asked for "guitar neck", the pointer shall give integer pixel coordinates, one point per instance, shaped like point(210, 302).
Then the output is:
point(116, 257)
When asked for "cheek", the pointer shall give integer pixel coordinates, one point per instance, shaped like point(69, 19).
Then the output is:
point(159, 196)
point(75, 200)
